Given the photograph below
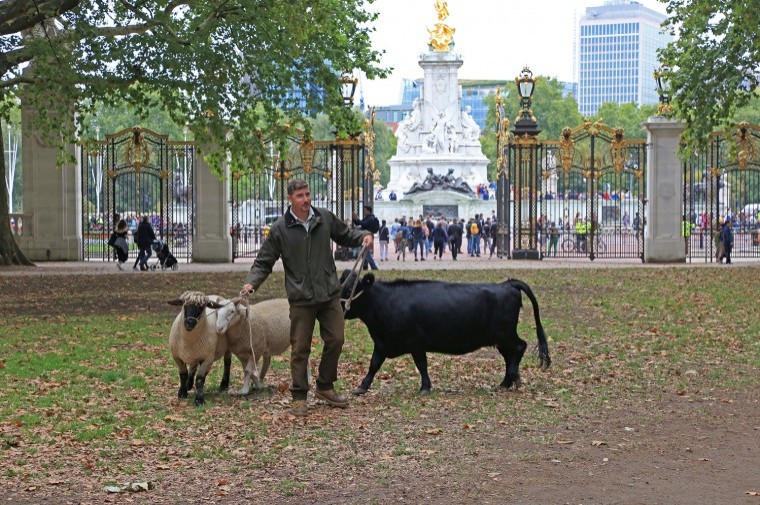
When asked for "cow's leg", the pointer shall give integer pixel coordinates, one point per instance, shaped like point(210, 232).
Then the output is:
point(226, 375)
point(182, 393)
point(374, 365)
point(420, 360)
point(512, 350)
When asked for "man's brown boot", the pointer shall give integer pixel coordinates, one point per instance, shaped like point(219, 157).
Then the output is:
point(332, 398)
point(299, 408)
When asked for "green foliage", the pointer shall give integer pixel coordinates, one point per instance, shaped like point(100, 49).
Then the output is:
point(552, 111)
point(749, 112)
point(223, 69)
point(715, 62)
point(627, 116)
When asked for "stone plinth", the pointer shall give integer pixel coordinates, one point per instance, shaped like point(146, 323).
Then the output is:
point(663, 241)
point(213, 243)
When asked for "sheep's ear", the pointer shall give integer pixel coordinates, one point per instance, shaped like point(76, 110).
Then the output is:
point(176, 301)
point(214, 305)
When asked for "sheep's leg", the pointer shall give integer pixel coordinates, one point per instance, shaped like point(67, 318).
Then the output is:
point(200, 381)
point(182, 379)
point(226, 375)
point(191, 376)
point(264, 368)
point(247, 375)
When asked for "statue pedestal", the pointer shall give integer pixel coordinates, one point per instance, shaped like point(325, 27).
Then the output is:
point(438, 135)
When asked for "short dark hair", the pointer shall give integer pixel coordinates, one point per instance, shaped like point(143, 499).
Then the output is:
point(368, 207)
point(296, 184)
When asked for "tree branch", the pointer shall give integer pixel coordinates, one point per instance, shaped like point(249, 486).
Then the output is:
point(19, 15)
point(154, 22)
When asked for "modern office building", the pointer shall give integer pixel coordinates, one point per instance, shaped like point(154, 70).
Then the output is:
point(617, 52)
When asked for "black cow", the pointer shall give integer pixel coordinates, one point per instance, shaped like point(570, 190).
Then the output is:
point(415, 317)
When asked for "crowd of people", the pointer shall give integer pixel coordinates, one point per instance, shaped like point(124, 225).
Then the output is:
point(433, 236)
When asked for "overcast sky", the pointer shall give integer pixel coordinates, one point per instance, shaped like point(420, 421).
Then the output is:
point(496, 38)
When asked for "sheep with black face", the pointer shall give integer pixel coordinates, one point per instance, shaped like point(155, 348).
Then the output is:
point(194, 342)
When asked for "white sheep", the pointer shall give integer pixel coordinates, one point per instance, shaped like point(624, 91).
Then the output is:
point(194, 342)
point(264, 326)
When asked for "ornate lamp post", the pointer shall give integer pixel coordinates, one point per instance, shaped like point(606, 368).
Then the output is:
point(503, 142)
point(662, 78)
point(525, 172)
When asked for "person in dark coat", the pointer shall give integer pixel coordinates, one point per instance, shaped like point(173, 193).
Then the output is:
point(727, 238)
point(144, 236)
point(118, 241)
point(455, 238)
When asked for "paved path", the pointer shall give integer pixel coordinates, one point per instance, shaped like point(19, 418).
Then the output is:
point(463, 263)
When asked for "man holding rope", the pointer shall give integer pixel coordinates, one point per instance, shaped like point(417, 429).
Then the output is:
point(302, 239)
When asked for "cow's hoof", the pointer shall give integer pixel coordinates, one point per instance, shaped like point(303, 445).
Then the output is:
point(424, 392)
point(359, 391)
point(199, 402)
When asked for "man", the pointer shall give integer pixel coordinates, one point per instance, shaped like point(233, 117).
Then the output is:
point(455, 238)
point(372, 225)
point(302, 239)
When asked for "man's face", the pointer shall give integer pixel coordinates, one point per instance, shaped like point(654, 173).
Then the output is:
point(301, 200)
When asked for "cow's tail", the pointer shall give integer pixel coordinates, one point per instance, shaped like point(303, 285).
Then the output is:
point(543, 346)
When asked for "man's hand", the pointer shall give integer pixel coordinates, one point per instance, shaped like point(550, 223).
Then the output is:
point(355, 215)
point(247, 290)
point(368, 241)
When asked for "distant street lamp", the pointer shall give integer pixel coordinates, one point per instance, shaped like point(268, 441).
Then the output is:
point(662, 78)
point(348, 87)
point(526, 121)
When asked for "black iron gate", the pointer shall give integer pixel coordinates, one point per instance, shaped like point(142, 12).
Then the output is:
point(337, 178)
point(593, 194)
point(723, 184)
point(136, 173)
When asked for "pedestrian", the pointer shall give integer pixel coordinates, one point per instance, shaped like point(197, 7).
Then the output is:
point(553, 239)
point(144, 237)
point(118, 240)
point(384, 236)
point(301, 238)
point(402, 237)
point(418, 236)
point(727, 239)
point(369, 223)
point(440, 237)
point(455, 238)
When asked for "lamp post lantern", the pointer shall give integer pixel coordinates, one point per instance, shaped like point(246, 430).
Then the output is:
point(348, 87)
point(526, 121)
point(662, 78)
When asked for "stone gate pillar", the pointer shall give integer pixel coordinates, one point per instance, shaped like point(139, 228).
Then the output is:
point(663, 241)
point(52, 207)
point(212, 242)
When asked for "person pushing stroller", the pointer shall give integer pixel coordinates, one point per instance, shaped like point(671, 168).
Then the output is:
point(144, 237)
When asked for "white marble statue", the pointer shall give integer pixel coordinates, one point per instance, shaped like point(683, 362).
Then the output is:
point(409, 125)
point(436, 141)
point(470, 128)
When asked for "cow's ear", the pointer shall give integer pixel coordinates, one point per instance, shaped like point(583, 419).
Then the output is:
point(176, 301)
point(368, 280)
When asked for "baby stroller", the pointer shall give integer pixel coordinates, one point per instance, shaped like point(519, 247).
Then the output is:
point(165, 257)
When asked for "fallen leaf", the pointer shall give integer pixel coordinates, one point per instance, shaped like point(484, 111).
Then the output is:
point(434, 431)
point(597, 443)
point(753, 493)
point(565, 442)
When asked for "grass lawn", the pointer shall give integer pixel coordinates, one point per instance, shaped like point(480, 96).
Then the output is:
point(88, 391)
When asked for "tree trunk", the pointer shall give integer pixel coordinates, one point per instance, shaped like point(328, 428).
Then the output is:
point(10, 254)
